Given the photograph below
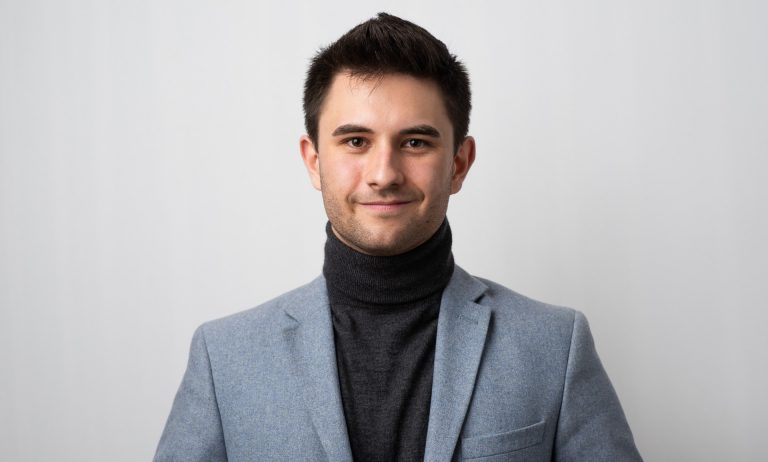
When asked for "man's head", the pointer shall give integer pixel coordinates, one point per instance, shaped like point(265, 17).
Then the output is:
point(387, 140)
point(384, 45)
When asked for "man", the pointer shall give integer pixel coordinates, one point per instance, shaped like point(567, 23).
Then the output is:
point(394, 353)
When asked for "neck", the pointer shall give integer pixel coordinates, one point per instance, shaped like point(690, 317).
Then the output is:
point(358, 279)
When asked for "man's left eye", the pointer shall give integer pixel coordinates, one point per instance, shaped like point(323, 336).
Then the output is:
point(416, 143)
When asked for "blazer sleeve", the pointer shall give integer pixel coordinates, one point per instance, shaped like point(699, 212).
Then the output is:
point(193, 431)
point(592, 425)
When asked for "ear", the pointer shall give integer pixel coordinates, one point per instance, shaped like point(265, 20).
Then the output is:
point(311, 160)
point(462, 162)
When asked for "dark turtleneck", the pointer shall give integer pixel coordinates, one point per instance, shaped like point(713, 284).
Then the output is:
point(385, 313)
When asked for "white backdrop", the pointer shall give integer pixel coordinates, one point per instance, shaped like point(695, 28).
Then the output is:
point(150, 180)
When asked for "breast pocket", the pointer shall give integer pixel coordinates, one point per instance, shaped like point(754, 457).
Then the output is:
point(502, 443)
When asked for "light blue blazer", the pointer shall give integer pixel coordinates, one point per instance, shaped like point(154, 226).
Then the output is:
point(514, 380)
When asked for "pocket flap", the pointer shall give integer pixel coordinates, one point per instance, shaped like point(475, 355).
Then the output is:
point(499, 443)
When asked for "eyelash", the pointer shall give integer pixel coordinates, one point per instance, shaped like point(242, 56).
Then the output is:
point(422, 143)
point(348, 142)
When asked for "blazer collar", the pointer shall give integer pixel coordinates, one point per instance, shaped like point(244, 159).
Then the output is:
point(462, 327)
point(309, 336)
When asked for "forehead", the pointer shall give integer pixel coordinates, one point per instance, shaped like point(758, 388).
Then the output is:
point(385, 101)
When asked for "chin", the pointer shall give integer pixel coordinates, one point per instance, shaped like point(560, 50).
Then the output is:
point(383, 239)
point(379, 244)
point(393, 245)
point(381, 247)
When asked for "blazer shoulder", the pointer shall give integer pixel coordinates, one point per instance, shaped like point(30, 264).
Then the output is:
point(510, 306)
point(265, 317)
point(499, 293)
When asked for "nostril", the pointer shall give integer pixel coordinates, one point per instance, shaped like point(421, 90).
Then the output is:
point(384, 171)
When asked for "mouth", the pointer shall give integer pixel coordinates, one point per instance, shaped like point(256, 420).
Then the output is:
point(385, 206)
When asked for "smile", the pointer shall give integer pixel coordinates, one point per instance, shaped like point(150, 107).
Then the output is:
point(385, 206)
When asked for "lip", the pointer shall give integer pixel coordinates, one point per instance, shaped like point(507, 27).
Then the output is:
point(385, 206)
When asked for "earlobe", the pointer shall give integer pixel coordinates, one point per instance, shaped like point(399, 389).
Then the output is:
point(311, 160)
point(462, 162)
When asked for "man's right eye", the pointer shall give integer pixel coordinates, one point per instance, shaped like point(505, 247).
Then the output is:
point(355, 142)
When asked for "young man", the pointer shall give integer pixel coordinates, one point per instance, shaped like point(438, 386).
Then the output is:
point(394, 353)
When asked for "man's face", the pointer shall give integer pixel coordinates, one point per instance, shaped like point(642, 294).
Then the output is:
point(385, 162)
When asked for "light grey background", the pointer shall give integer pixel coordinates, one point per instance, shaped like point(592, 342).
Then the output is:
point(150, 180)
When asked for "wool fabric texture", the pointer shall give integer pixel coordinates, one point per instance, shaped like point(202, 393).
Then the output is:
point(384, 311)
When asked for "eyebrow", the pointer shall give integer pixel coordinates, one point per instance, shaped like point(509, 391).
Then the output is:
point(426, 130)
point(350, 128)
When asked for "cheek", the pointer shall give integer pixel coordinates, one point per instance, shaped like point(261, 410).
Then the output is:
point(432, 178)
point(339, 178)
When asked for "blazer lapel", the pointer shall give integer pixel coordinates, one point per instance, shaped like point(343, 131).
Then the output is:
point(310, 341)
point(461, 331)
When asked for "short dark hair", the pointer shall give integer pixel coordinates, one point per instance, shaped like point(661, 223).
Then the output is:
point(384, 45)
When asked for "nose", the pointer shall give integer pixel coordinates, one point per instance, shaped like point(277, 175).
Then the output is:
point(383, 169)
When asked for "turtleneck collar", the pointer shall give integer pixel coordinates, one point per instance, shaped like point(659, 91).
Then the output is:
point(354, 278)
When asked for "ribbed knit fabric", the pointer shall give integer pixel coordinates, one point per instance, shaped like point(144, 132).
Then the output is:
point(385, 312)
